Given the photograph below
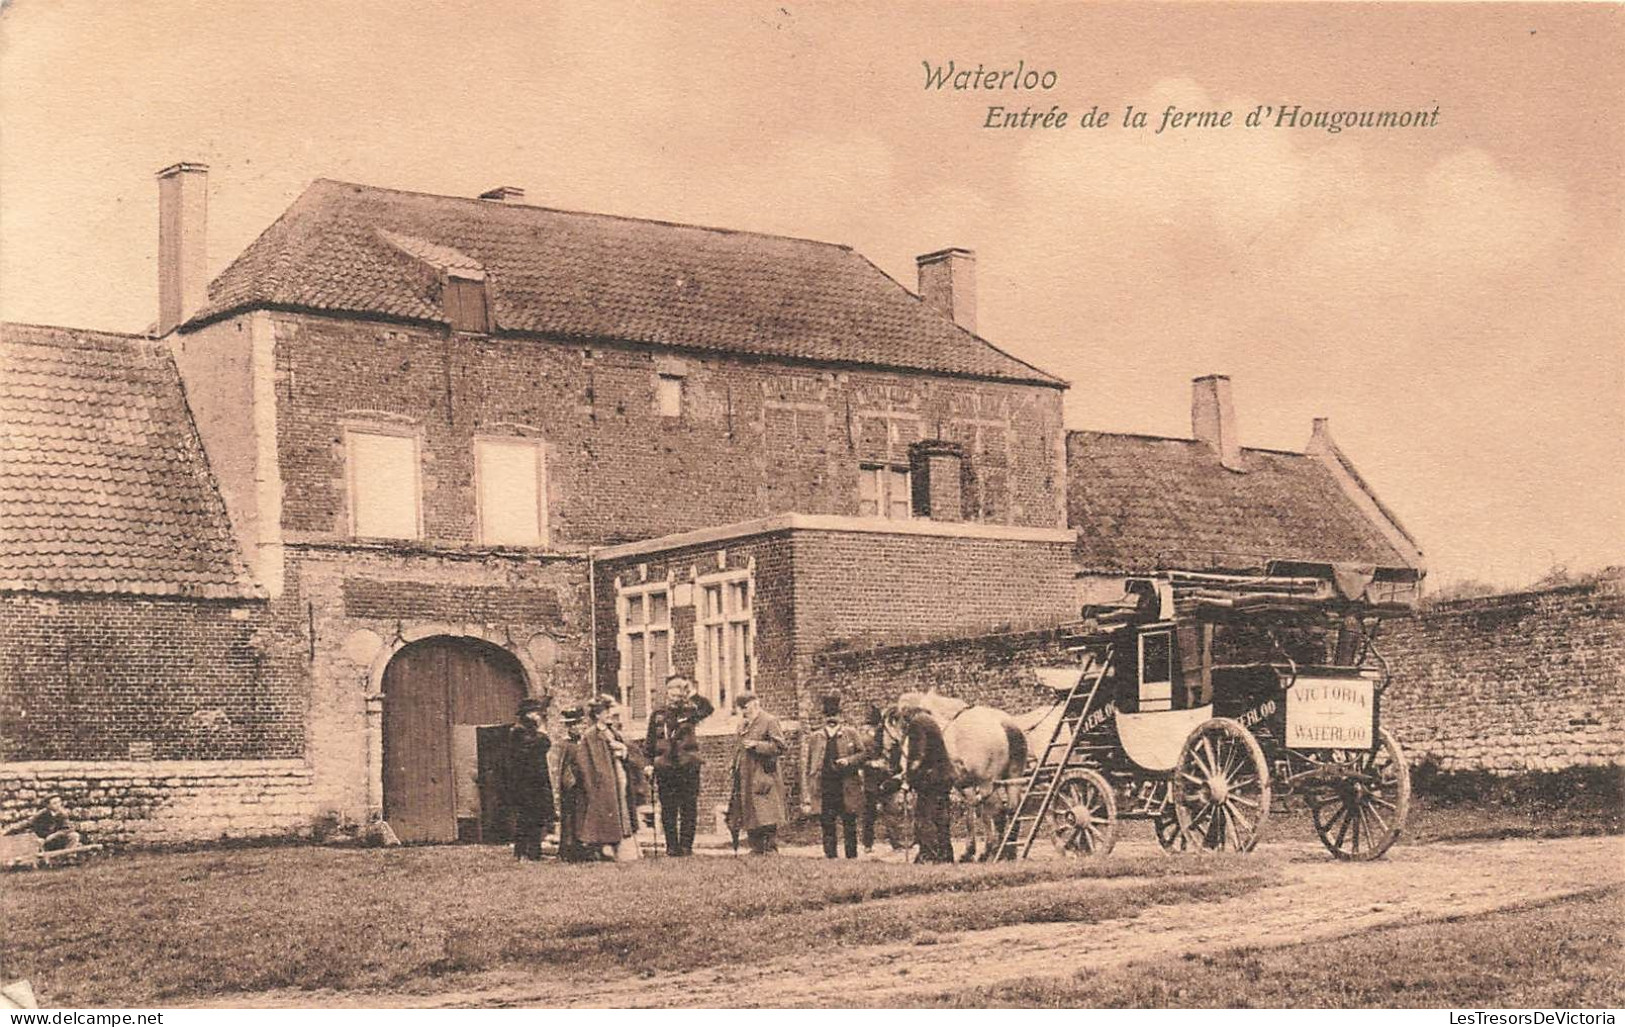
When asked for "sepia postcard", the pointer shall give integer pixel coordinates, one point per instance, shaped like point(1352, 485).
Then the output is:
point(805, 505)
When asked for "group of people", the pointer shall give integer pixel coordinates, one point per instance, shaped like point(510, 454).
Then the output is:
point(602, 779)
point(598, 794)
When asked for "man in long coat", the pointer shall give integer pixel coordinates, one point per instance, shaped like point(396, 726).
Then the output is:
point(572, 792)
point(832, 786)
point(599, 817)
point(931, 776)
point(527, 785)
point(758, 794)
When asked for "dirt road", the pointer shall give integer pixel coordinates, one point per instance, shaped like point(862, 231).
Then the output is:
point(1317, 899)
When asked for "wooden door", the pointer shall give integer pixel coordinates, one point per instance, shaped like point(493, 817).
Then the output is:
point(434, 691)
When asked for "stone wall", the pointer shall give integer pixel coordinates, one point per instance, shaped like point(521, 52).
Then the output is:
point(1531, 681)
point(994, 670)
point(139, 802)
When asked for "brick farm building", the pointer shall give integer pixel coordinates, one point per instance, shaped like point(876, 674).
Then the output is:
point(411, 458)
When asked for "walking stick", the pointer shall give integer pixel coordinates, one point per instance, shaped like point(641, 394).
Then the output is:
point(654, 805)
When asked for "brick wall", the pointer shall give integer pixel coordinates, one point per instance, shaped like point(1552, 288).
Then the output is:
point(1533, 681)
point(755, 437)
point(108, 678)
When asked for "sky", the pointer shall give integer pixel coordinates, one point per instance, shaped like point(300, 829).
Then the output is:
point(1449, 297)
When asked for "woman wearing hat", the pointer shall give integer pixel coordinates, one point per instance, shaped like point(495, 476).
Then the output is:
point(758, 794)
point(832, 789)
point(527, 785)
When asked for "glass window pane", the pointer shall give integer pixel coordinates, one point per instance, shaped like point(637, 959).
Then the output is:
point(635, 669)
point(634, 610)
point(509, 476)
point(384, 481)
point(900, 501)
point(659, 657)
point(659, 608)
point(869, 487)
point(1157, 662)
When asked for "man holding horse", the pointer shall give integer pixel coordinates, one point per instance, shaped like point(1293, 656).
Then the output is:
point(930, 774)
point(832, 788)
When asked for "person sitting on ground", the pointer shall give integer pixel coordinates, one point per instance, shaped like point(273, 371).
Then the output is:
point(51, 825)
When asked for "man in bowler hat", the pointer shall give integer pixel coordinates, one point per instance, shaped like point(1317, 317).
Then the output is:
point(833, 786)
point(527, 786)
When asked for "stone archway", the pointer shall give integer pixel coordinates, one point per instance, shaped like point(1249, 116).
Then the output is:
point(446, 701)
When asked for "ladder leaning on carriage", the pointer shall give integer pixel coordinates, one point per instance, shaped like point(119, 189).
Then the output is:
point(1202, 700)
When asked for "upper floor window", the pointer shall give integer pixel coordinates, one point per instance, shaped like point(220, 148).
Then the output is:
point(464, 301)
point(511, 475)
point(383, 482)
point(725, 637)
point(885, 491)
point(645, 644)
point(669, 395)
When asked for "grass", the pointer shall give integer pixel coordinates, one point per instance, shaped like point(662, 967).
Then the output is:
point(1568, 954)
point(188, 926)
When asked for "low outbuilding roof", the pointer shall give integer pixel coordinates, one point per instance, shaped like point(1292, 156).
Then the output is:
point(1142, 504)
point(103, 484)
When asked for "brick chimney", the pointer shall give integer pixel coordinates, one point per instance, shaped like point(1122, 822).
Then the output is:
point(504, 194)
point(1213, 418)
point(948, 282)
point(183, 259)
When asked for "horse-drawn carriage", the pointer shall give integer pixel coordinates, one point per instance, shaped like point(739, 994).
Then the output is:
point(1203, 702)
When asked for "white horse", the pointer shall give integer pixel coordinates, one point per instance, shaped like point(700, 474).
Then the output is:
point(985, 745)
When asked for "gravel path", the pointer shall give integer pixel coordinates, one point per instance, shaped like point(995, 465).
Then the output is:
point(1318, 899)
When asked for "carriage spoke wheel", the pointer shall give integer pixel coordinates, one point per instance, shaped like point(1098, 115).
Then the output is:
point(1221, 788)
point(1361, 814)
point(1083, 815)
point(1170, 835)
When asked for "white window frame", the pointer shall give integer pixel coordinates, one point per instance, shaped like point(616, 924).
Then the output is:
point(351, 495)
point(884, 500)
point(540, 449)
point(625, 632)
point(707, 660)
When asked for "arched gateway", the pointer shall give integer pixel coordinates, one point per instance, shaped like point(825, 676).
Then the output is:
point(447, 702)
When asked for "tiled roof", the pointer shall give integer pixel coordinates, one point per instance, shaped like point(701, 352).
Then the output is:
point(1142, 504)
point(357, 249)
point(103, 484)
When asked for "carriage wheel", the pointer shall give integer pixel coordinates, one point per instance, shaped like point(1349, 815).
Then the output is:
point(1083, 815)
point(1360, 815)
point(1170, 835)
point(1222, 787)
